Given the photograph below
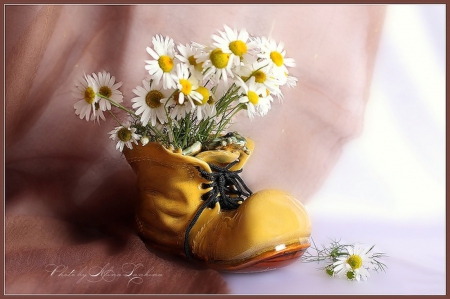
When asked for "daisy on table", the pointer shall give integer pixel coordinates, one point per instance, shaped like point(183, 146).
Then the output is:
point(352, 262)
point(355, 265)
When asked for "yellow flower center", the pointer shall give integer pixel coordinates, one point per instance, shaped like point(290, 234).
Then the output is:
point(89, 95)
point(238, 47)
point(354, 261)
point(260, 76)
point(193, 61)
point(124, 134)
point(153, 98)
point(186, 86)
point(277, 58)
point(205, 95)
point(105, 91)
point(219, 59)
point(165, 63)
point(253, 97)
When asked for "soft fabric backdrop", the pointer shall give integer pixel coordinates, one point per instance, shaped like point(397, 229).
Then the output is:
point(69, 193)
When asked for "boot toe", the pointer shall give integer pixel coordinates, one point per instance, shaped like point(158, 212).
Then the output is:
point(270, 229)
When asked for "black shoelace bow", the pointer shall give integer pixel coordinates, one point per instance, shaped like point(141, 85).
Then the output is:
point(227, 188)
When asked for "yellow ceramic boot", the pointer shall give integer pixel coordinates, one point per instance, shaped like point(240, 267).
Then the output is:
point(199, 207)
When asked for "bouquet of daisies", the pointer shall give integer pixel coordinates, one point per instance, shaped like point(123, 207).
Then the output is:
point(192, 91)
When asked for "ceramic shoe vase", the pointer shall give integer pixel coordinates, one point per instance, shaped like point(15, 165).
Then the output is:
point(181, 210)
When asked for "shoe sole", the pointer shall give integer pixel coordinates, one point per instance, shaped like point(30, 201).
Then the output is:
point(266, 261)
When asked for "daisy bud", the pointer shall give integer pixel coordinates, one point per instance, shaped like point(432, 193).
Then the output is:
point(144, 140)
point(330, 270)
point(350, 275)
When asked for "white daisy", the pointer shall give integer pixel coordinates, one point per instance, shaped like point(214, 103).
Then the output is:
point(254, 96)
point(177, 108)
point(237, 44)
point(163, 65)
point(148, 102)
point(107, 88)
point(98, 114)
point(355, 265)
point(264, 105)
point(125, 136)
point(85, 90)
point(263, 76)
point(206, 107)
point(186, 84)
point(217, 65)
point(291, 81)
point(275, 55)
point(187, 56)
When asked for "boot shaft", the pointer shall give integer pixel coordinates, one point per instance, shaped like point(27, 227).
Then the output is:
point(170, 192)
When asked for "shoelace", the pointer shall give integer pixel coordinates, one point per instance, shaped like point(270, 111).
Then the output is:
point(224, 182)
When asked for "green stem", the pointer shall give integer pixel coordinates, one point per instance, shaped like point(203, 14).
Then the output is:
point(170, 134)
point(118, 105)
point(228, 118)
point(110, 112)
